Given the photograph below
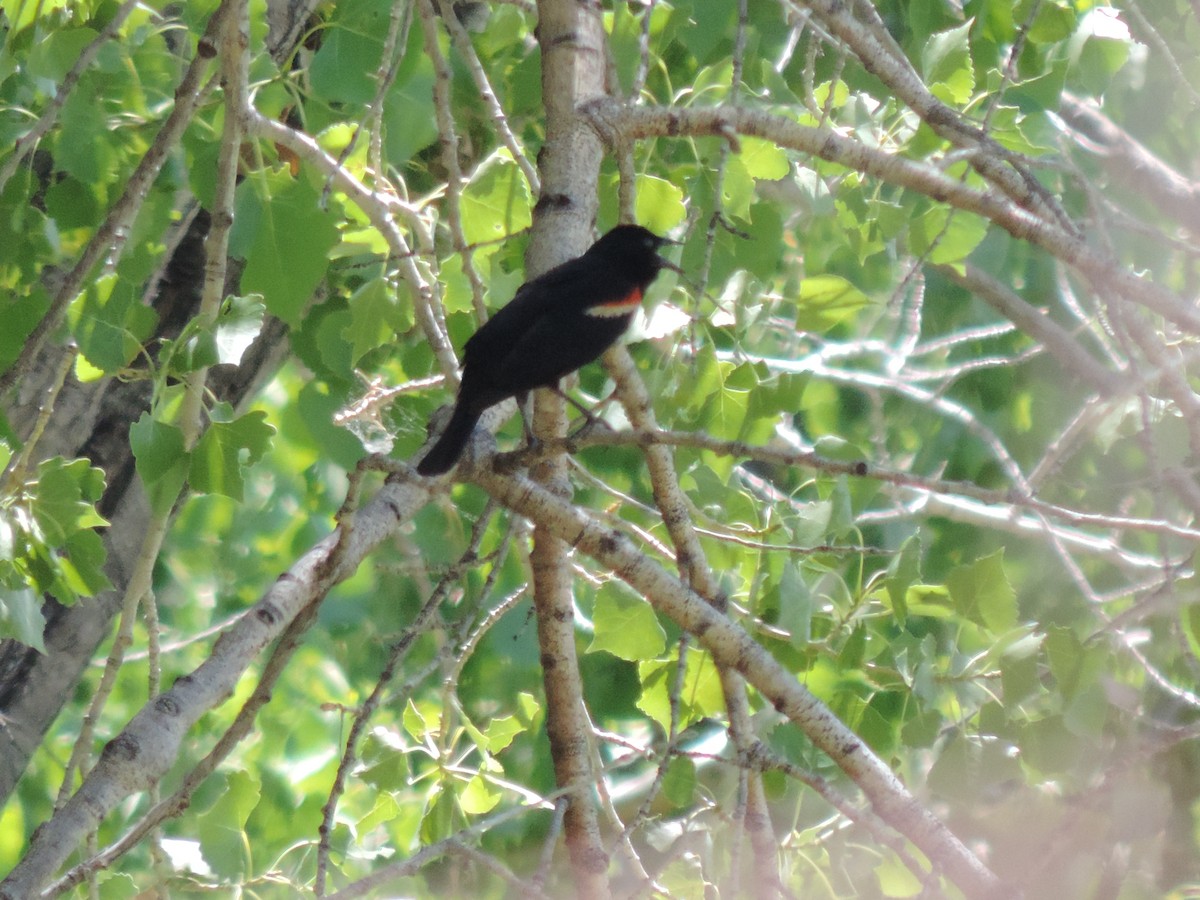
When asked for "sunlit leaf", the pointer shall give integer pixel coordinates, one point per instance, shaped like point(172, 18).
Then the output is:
point(496, 202)
point(946, 61)
point(239, 323)
point(479, 796)
point(625, 626)
point(660, 204)
point(826, 300)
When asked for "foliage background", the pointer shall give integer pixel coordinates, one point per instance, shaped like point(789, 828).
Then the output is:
point(965, 526)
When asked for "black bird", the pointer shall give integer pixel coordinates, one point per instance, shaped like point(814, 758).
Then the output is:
point(557, 322)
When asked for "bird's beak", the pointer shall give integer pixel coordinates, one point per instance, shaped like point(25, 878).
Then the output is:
point(666, 263)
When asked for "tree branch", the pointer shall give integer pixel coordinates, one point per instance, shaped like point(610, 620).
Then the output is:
point(731, 647)
point(612, 118)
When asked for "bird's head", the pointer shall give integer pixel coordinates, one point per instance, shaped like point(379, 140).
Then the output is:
point(637, 249)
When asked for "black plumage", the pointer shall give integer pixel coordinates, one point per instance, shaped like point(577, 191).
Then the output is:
point(556, 323)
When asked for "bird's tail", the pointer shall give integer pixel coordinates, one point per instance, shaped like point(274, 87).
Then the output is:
point(449, 447)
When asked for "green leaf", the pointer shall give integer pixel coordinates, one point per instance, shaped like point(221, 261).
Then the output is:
point(65, 498)
point(456, 287)
point(928, 600)
point(20, 314)
point(1098, 60)
point(385, 760)
point(225, 450)
point(923, 730)
point(53, 57)
point(1053, 22)
point(795, 605)
point(21, 617)
point(501, 731)
point(82, 565)
point(1020, 678)
point(376, 317)
point(529, 710)
point(196, 349)
point(1189, 619)
point(496, 202)
point(1048, 746)
point(1075, 666)
point(955, 773)
point(737, 190)
point(679, 782)
point(442, 817)
point(810, 524)
point(84, 147)
point(895, 878)
point(421, 721)
point(1098, 49)
point(764, 159)
point(408, 113)
point(948, 236)
point(719, 22)
point(22, 13)
point(903, 572)
point(156, 447)
point(1087, 712)
point(109, 323)
point(826, 300)
point(625, 626)
point(48, 542)
point(118, 886)
point(946, 62)
point(659, 205)
point(238, 325)
point(72, 204)
point(480, 796)
point(385, 810)
point(850, 659)
point(343, 68)
point(701, 695)
point(724, 413)
point(161, 460)
point(982, 593)
point(290, 235)
point(223, 839)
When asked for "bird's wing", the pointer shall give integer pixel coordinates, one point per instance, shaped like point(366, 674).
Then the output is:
point(576, 284)
point(555, 345)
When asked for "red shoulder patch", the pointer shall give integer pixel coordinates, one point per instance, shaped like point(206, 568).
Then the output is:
point(621, 307)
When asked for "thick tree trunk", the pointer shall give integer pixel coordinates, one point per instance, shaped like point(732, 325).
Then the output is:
point(92, 421)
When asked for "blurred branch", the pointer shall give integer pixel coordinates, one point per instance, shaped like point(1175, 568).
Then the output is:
point(733, 648)
point(777, 455)
point(1128, 162)
point(613, 119)
point(1057, 340)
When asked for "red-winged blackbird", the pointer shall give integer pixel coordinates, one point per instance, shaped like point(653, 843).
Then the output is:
point(559, 321)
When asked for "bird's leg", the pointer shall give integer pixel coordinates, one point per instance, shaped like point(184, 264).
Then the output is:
point(592, 420)
point(525, 408)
